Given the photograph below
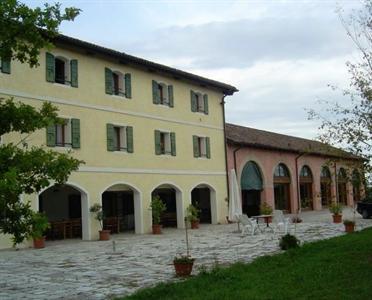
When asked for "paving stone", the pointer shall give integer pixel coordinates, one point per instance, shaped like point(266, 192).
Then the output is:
point(74, 269)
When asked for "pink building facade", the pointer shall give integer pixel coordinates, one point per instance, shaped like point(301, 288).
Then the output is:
point(281, 171)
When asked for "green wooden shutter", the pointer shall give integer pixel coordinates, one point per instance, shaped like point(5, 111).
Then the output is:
point(208, 146)
point(157, 142)
point(130, 139)
point(170, 95)
point(173, 143)
point(75, 133)
point(155, 92)
point(51, 135)
point(128, 85)
point(110, 137)
point(50, 65)
point(5, 66)
point(194, 104)
point(205, 98)
point(74, 72)
point(108, 81)
point(195, 142)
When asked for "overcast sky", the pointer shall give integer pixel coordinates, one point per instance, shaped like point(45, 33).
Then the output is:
point(281, 55)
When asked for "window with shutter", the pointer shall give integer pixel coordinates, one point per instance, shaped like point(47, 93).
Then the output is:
point(74, 72)
point(119, 138)
point(50, 65)
point(201, 146)
point(199, 102)
point(75, 133)
point(162, 94)
point(108, 81)
point(165, 143)
point(128, 85)
point(64, 134)
point(5, 66)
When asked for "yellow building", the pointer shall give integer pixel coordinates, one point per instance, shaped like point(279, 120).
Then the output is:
point(142, 129)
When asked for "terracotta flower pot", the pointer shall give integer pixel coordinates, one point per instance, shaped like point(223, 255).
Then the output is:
point(183, 269)
point(104, 235)
point(156, 228)
point(39, 243)
point(195, 224)
point(337, 218)
point(349, 228)
point(269, 219)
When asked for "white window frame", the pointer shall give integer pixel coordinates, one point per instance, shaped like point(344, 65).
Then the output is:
point(200, 102)
point(123, 147)
point(67, 61)
point(121, 82)
point(167, 143)
point(67, 134)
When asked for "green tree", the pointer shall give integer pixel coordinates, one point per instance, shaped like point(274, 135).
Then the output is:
point(25, 31)
point(349, 125)
point(23, 169)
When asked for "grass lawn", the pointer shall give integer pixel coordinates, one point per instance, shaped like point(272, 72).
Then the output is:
point(338, 268)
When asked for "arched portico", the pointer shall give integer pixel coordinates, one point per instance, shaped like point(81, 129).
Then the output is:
point(67, 209)
point(171, 195)
point(203, 196)
point(251, 184)
point(282, 183)
point(306, 188)
point(122, 205)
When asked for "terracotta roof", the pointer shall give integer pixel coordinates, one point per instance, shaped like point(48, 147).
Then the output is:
point(151, 66)
point(250, 137)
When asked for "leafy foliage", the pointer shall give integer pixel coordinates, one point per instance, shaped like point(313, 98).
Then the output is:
point(24, 31)
point(289, 241)
point(335, 208)
point(265, 209)
point(157, 207)
point(192, 213)
point(39, 224)
point(26, 170)
point(98, 213)
point(350, 125)
point(183, 259)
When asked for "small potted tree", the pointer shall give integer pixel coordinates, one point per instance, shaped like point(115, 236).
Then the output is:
point(266, 209)
point(96, 209)
point(336, 210)
point(183, 263)
point(39, 225)
point(349, 226)
point(157, 207)
point(192, 215)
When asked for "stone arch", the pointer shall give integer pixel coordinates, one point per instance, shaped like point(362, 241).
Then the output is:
point(212, 200)
point(176, 197)
point(84, 200)
point(137, 202)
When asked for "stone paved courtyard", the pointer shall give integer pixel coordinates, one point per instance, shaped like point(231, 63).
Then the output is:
point(75, 269)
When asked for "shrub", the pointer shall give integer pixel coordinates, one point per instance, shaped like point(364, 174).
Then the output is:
point(289, 241)
point(335, 208)
point(157, 207)
point(183, 259)
point(265, 209)
point(349, 222)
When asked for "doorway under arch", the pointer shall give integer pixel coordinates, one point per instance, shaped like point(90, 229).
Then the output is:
point(325, 186)
point(66, 207)
point(121, 205)
point(172, 198)
point(282, 183)
point(306, 188)
point(251, 185)
point(204, 197)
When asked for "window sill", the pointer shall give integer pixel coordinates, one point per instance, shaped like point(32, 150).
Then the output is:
point(120, 152)
point(119, 97)
point(62, 85)
point(164, 105)
point(202, 158)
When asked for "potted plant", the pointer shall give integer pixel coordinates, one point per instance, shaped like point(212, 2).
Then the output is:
point(39, 224)
point(349, 226)
point(157, 207)
point(266, 209)
point(192, 215)
point(183, 263)
point(96, 209)
point(336, 210)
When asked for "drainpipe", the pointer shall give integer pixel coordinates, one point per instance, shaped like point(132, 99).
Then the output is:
point(298, 184)
point(225, 141)
point(336, 181)
point(236, 150)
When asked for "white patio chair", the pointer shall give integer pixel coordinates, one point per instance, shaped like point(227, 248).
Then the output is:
point(279, 221)
point(247, 224)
